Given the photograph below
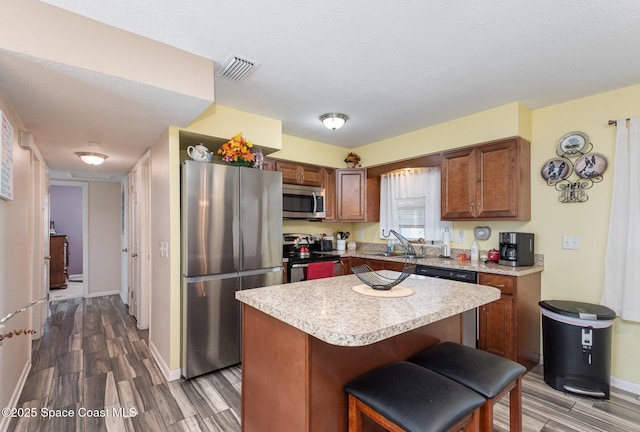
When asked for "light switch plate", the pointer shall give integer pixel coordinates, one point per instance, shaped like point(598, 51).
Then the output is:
point(571, 242)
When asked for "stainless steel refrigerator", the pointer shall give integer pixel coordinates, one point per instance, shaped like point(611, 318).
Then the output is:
point(231, 240)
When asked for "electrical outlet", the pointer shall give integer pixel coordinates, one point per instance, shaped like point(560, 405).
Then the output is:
point(460, 237)
point(360, 235)
point(571, 242)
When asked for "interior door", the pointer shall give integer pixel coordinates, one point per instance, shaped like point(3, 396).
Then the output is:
point(134, 263)
point(124, 241)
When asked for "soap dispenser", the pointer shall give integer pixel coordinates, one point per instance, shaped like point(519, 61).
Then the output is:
point(475, 251)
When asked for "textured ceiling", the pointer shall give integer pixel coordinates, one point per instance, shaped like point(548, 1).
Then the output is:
point(392, 67)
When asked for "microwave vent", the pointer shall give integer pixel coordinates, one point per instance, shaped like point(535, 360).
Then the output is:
point(236, 68)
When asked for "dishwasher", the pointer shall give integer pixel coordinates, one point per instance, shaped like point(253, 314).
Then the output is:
point(470, 317)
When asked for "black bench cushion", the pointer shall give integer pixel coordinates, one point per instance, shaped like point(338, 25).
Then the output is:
point(483, 372)
point(414, 398)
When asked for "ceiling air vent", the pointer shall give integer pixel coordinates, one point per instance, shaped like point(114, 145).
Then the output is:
point(236, 68)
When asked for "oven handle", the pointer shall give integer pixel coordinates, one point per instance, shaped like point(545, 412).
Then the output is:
point(307, 264)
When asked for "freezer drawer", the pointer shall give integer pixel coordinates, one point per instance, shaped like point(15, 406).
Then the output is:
point(211, 325)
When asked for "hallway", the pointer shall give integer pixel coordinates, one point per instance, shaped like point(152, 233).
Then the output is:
point(93, 361)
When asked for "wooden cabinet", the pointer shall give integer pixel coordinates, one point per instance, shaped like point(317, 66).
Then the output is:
point(269, 164)
point(510, 326)
point(330, 194)
point(357, 197)
point(302, 174)
point(490, 181)
point(59, 250)
point(349, 262)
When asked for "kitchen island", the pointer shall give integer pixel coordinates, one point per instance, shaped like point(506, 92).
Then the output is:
point(302, 342)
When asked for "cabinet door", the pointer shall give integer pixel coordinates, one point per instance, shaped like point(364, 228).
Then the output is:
point(458, 184)
point(289, 170)
point(330, 194)
point(351, 194)
point(311, 175)
point(497, 180)
point(496, 328)
point(269, 164)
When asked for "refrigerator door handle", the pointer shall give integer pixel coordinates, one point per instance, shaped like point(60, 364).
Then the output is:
point(205, 278)
point(260, 271)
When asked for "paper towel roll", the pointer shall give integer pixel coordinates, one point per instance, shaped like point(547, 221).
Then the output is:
point(446, 243)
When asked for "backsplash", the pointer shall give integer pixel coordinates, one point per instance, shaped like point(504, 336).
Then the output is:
point(427, 250)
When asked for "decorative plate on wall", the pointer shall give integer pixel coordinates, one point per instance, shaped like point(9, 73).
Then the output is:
point(482, 232)
point(556, 169)
point(572, 144)
point(591, 165)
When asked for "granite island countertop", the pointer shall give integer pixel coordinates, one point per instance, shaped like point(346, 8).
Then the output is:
point(331, 311)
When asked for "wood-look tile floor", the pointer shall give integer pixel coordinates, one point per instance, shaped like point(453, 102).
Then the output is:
point(94, 362)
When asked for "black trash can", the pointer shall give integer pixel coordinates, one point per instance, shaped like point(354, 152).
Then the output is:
point(576, 345)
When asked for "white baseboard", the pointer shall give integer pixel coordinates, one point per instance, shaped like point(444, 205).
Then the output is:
point(625, 385)
point(169, 375)
point(102, 294)
point(15, 396)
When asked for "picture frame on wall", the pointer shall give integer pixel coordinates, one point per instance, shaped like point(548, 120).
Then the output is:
point(6, 158)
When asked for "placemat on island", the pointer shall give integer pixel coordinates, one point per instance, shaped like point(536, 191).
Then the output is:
point(396, 291)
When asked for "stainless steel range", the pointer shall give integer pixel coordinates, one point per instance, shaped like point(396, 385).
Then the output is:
point(302, 249)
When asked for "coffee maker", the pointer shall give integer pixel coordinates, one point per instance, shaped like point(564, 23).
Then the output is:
point(516, 249)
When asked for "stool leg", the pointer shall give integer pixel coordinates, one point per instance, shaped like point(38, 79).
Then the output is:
point(515, 407)
point(355, 416)
point(486, 416)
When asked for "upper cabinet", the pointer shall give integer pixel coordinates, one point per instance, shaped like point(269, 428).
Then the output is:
point(489, 181)
point(357, 197)
point(301, 174)
point(330, 194)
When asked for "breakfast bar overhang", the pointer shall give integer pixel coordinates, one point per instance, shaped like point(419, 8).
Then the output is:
point(302, 342)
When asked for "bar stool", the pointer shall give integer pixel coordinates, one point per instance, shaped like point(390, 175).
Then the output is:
point(489, 375)
point(403, 396)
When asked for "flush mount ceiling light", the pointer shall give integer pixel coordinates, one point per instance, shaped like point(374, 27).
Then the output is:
point(333, 121)
point(91, 158)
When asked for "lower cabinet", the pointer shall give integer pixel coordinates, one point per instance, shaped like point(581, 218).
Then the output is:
point(510, 327)
point(350, 262)
point(59, 250)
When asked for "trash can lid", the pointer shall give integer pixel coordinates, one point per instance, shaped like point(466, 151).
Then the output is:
point(586, 311)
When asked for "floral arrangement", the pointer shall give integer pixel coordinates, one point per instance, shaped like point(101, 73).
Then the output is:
point(352, 160)
point(237, 151)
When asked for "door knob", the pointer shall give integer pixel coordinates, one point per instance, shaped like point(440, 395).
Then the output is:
point(125, 250)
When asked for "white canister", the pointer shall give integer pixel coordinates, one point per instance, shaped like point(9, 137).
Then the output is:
point(341, 245)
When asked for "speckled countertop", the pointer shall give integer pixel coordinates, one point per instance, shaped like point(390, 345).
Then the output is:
point(329, 310)
point(455, 264)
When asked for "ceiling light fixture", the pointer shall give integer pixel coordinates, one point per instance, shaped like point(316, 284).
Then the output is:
point(91, 158)
point(333, 121)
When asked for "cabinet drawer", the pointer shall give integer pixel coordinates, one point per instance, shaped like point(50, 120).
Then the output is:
point(505, 284)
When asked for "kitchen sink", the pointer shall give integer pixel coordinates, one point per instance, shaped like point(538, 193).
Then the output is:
point(386, 254)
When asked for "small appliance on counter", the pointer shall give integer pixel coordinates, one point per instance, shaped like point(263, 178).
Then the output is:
point(516, 249)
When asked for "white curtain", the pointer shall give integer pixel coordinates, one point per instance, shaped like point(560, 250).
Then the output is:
point(412, 183)
point(621, 291)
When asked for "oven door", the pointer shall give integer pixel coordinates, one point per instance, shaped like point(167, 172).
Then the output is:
point(297, 271)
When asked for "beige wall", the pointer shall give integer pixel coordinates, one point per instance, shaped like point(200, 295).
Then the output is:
point(17, 237)
point(164, 330)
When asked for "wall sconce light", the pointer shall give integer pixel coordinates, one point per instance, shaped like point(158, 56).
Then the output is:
point(333, 121)
point(91, 158)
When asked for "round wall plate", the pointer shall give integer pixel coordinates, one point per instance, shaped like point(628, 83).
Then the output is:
point(482, 232)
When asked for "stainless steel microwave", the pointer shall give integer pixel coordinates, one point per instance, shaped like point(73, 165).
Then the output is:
point(303, 202)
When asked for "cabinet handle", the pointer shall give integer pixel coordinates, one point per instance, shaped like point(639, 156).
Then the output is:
point(496, 285)
point(471, 209)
